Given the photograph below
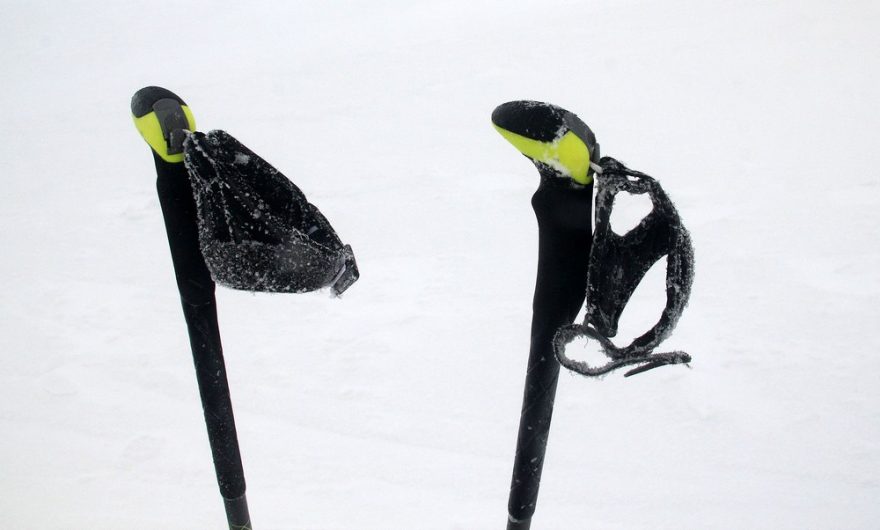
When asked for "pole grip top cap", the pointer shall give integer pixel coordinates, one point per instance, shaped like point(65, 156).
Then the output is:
point(162, 118)
point(550, 136)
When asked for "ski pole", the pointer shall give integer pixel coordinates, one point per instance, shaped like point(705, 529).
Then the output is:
point(162, 117)
point(561, 146)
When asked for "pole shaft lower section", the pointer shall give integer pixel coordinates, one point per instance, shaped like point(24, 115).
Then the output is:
point(525, 524)
point(237, 513)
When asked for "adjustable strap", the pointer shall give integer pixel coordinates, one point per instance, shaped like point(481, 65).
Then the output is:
point(348, 272)
point(618, 264)
point(618, 359)
point(173, 122)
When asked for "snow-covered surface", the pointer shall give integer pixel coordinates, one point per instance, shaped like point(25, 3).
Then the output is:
point(397, 406)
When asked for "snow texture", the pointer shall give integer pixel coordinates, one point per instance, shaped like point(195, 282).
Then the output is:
point(396, 407)
point(257, 231)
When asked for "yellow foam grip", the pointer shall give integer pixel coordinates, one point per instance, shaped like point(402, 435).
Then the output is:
point(568, 154)
point(148, 126)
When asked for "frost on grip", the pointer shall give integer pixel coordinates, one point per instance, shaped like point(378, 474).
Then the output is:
point(257, 231)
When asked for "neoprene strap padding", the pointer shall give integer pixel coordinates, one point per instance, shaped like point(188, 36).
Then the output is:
point(257, 231)
point(617, 266)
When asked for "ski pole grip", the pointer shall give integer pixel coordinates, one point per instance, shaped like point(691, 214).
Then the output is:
point(200, 312)
point(563, 211)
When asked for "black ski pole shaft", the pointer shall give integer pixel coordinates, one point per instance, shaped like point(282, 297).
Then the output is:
point(564, 216)
point(200, 311)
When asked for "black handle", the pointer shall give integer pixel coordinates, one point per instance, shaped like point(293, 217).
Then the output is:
point(200, 311)
point(564, 213)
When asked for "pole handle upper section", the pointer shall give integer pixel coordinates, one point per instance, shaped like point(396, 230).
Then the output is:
point(162, 118)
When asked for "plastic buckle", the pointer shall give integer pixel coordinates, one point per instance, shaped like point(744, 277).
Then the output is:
point(173, 122)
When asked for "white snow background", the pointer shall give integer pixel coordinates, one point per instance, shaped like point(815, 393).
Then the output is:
point(396, 407)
